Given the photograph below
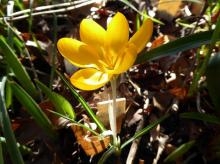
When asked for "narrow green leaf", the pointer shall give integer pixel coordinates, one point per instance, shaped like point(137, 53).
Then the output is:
point(181, 150)
point(54, 50)
point(7, 129)
point(126, 2)
point(33, 109)
point(144, 131)
point(213, 80)
point(213, 69)
point(8, 95)
point(18, 44)
point(106, 155)
point(173, 47)
point(23, 149)
point(80, 99)
point(1, 154)
point(18, 69)
point(76, 123)
point(19, 4)
point(200, 70)
point(60, 103)
point(201, 116)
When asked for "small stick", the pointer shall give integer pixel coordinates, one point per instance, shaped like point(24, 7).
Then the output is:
point(135, 143)
point(59, 10)
point(162, 142)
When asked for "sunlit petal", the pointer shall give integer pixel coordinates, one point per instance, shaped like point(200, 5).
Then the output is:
point(77, 53)
point(89, 79)
point(117, 32)
point(92, 33)
point(103, 53)
point(125, 60)
point(142, 36)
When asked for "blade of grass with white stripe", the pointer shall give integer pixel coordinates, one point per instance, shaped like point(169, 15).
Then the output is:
point(181, 150)
point(54, 50)
point(33, 109)
point(1, 154)
point(80, 99)
point(60, 103)
point(107, 154)
point(8, 95)
point(23, 149)
point(200, 70)
point(213, 80)
point(201, 116)
point(18, 69)
point(12, 148)
point(129, 4)
point(73, 122)
point(178, 45)
point(144, 131)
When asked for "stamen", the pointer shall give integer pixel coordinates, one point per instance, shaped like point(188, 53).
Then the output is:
point(120, 54)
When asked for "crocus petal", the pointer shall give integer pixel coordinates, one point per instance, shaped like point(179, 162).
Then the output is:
point(142, 36)
point(77, 53)
point(117, 32)
point(125, 60)
point(92, 33)
point(89, 79)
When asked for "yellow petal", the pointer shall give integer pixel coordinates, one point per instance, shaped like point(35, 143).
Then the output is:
point(117, 32)
point(125, 60)
point(143, 35)
point(92, 33)
point(77, 53)
point(89, 79)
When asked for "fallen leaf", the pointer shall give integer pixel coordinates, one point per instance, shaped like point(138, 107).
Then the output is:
point(92, 145)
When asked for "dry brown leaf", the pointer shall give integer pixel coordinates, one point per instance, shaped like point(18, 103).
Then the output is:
point(92, 145)
point(15, 125)
point(160, 40)
point(180, 93)
point(169, 9)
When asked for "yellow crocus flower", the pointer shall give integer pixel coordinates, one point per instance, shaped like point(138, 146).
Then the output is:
point(103, 53)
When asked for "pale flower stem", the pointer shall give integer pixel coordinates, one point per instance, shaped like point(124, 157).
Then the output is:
point(112, 111)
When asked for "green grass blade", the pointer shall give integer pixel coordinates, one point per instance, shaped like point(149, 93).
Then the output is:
point(54, 50)
point(126, 2)
point(12, 148)
point(181, 150)
point(8, 95)
point(213, 80)
point(75, 123)
point(33, 109)
point(106, 155)
point(60, 103)
point(173, 47)
point(200, 70)
point(144, 131)
point(1, 154)
point(80, 99)
point(201, 116)
point(19, 4)
point(19, 71)
point(23, 149)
